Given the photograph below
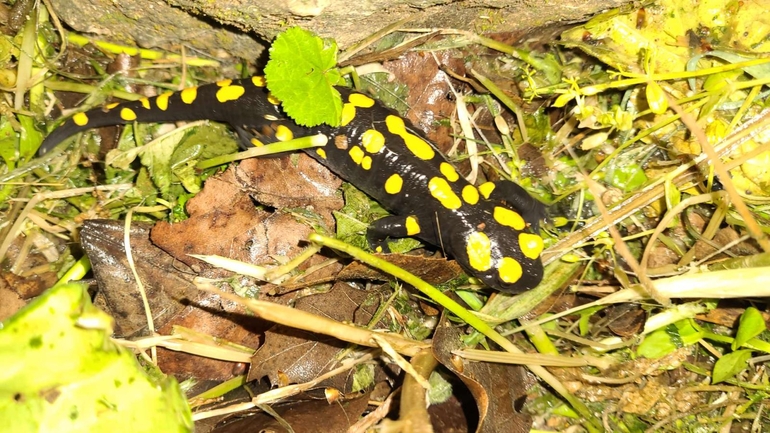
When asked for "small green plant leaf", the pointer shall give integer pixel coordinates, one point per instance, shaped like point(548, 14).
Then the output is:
point(628, 176)
point(585, 319)
point(750, 325)
point(471, 299)
point(9, 142)
point(440, 388)
point(202, 143)
point(29, 139)
point(363, 378)
point(689, 331)
point(673, 195)
point(302, 74)
point(392, 93)
point(656, 345)
point(730, 365)
point(157, 159)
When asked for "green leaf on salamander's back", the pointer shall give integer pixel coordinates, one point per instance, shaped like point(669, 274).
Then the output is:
point(302, 74)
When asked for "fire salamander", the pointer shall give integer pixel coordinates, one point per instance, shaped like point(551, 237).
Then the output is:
point(490, 229)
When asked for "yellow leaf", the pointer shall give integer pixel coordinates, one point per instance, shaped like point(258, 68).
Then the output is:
point(656, 98)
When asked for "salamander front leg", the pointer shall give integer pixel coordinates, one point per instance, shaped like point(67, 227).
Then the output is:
point(245, 137)
point(395, 226)
point(531, 209)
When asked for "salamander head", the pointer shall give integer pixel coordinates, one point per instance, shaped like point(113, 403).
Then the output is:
point(502, 252)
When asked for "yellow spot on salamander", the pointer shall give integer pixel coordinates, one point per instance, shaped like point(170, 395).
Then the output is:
point(419, 147)
point(360, 100)
point(479, 250)
point(441, 191)
point(356, 154)
point(348, 114)
point(415, 144)
point(189, 94)
point(258, 81)
point(321, 153)
point(394, 184)
point(256, 142)
point(449, 172)
point(509, 270)
point(531, 245)
point(272, 99)
point(162, 101)
point(80, 119)
point(127, 114)
point(112, 105)
point(224, 83)
point(509, 218)
point(230, 93)
point(412, 226)
point(145, 103)
point(470, 194)
point(486, 189)
point(373, 140)
point(366, 163)
point(283, 133)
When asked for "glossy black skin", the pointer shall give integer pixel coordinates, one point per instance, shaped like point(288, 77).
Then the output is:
point(253, 115)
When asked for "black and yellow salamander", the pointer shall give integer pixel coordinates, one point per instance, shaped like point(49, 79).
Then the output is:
point(490, 229)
